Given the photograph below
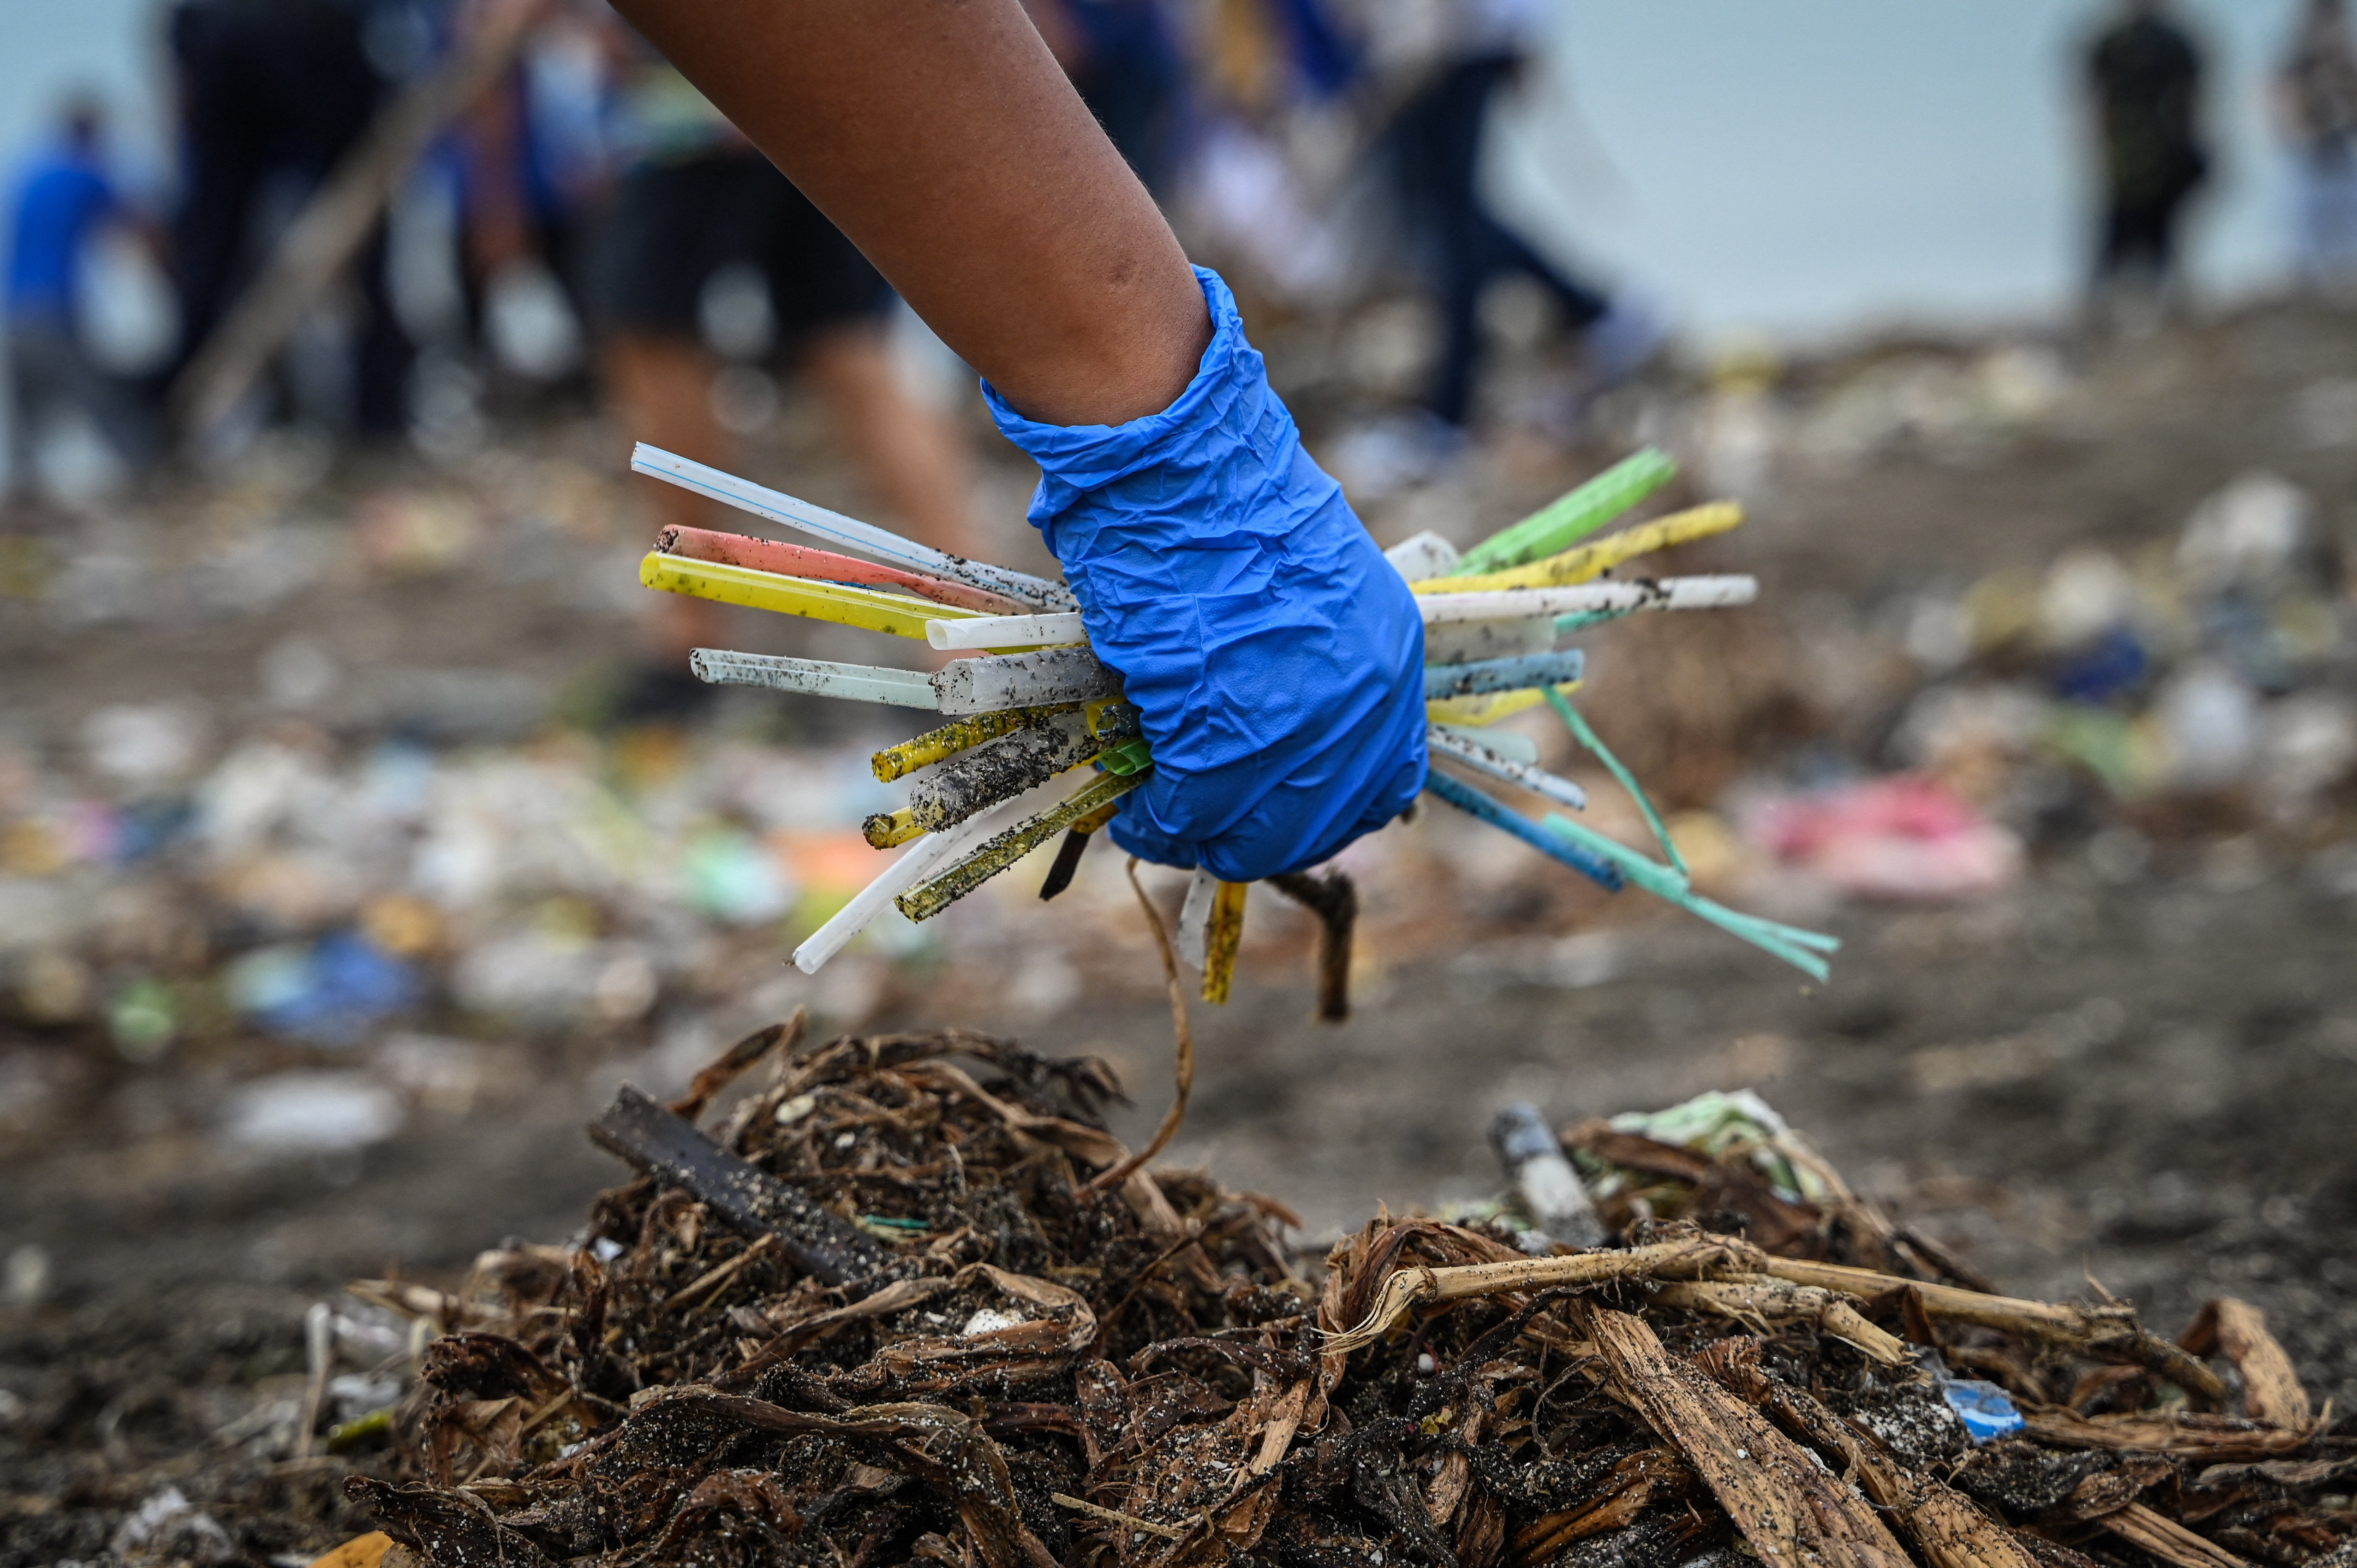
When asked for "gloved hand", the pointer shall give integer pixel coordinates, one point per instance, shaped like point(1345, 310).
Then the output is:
point(1275, 655)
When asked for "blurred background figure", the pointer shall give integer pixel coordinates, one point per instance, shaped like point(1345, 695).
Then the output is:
point(2143, 83)
point(2315, 109)
point(272, 94)
point(710, 264)
point(60, 202)
point(537, 157)
point(1485, 47)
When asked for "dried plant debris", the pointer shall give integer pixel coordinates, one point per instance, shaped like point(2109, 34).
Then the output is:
point(902, 1304)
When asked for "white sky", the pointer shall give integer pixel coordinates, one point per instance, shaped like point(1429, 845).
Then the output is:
point(1818, 164)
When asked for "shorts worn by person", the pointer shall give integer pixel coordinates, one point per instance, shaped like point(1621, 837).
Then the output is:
point(1276, 656)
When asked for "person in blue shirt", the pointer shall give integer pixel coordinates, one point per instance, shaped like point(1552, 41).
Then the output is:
point(60, 203)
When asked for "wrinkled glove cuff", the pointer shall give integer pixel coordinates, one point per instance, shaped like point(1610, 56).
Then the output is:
point(1275, 656)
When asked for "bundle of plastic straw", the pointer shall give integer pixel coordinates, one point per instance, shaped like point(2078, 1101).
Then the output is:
point(1039, 744)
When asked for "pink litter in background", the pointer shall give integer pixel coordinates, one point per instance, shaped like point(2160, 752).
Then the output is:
point(1907, 838)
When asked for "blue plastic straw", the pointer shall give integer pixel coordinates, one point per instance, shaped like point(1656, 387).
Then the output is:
point(1467, 798)
point(1520, 673)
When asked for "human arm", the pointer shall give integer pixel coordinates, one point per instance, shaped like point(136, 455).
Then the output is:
point(944, 139)
point(1273, 654)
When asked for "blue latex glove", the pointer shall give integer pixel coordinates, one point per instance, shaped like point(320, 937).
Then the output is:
point(1277, 658)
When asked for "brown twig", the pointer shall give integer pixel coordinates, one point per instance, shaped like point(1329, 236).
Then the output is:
point(1334, 899)
point(1114, 1515)
point(1183, 1049)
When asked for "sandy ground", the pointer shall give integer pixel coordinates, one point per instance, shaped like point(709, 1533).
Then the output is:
point(2143, 1083)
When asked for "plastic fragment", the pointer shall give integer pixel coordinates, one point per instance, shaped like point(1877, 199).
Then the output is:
point(1584, 561)
point(826, 566)
point(1532, 672)
point(1007, 631)
point(923, 902)
point(1986, 1409)
point(814, 677)
point(1462, 748)
point(961, 735)
point(1224, 935)
point(839, 530)
point(868, 608)
point(1667, 594)
point(990, 682)
point(1588, 738)
point(1465, 798)
point(1572, 517)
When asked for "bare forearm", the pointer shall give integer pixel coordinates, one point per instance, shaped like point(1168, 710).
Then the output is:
point(941, 137)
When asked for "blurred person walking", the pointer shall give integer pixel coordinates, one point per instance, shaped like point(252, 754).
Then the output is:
point(707, 253)
point(1437, 141)
point(62, 201)
point(2143, 76)
point(2315, 109)
point(272, 94)
point(536, 157)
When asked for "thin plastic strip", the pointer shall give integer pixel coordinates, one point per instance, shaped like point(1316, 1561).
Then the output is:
point(916, 862)
point(1007, 631)
point(1799, 947)
point(826, 566)
point(866, 609)
point(922, 903)
point(815, 678)
point(959, 735)
point(1572, 516)
point(1480, 713)
point(1532, 671)
point(1637, 593)
point(1506, 769)
point(839, 530)
point(1580, 732)
point(985, 683)
point(1584, 561)
point(1467, 798)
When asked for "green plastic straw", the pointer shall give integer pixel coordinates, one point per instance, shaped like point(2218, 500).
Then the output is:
point(1790, 944)
point(1567, 519)
point(1595, 743)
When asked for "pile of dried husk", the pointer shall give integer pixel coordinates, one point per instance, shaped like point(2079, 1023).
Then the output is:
point(917, 1304)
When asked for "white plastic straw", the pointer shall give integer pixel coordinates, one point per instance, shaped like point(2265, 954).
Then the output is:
point(1516, 604)
point(1468, 641)
point(918, 861)
point(1007, 631)
point(815, 677)
point(1457, 747)
point(988, 682)
point(1426, 556)
point(1195, 920)
point(845, 532)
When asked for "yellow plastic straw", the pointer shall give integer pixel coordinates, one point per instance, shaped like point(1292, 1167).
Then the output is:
point(727, 585)
point(888, 829)
point(1222, 937)
point(930, 898)
point(1096, 819)
point(1583, 563)
point(962, 734)
point(1476, 712)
